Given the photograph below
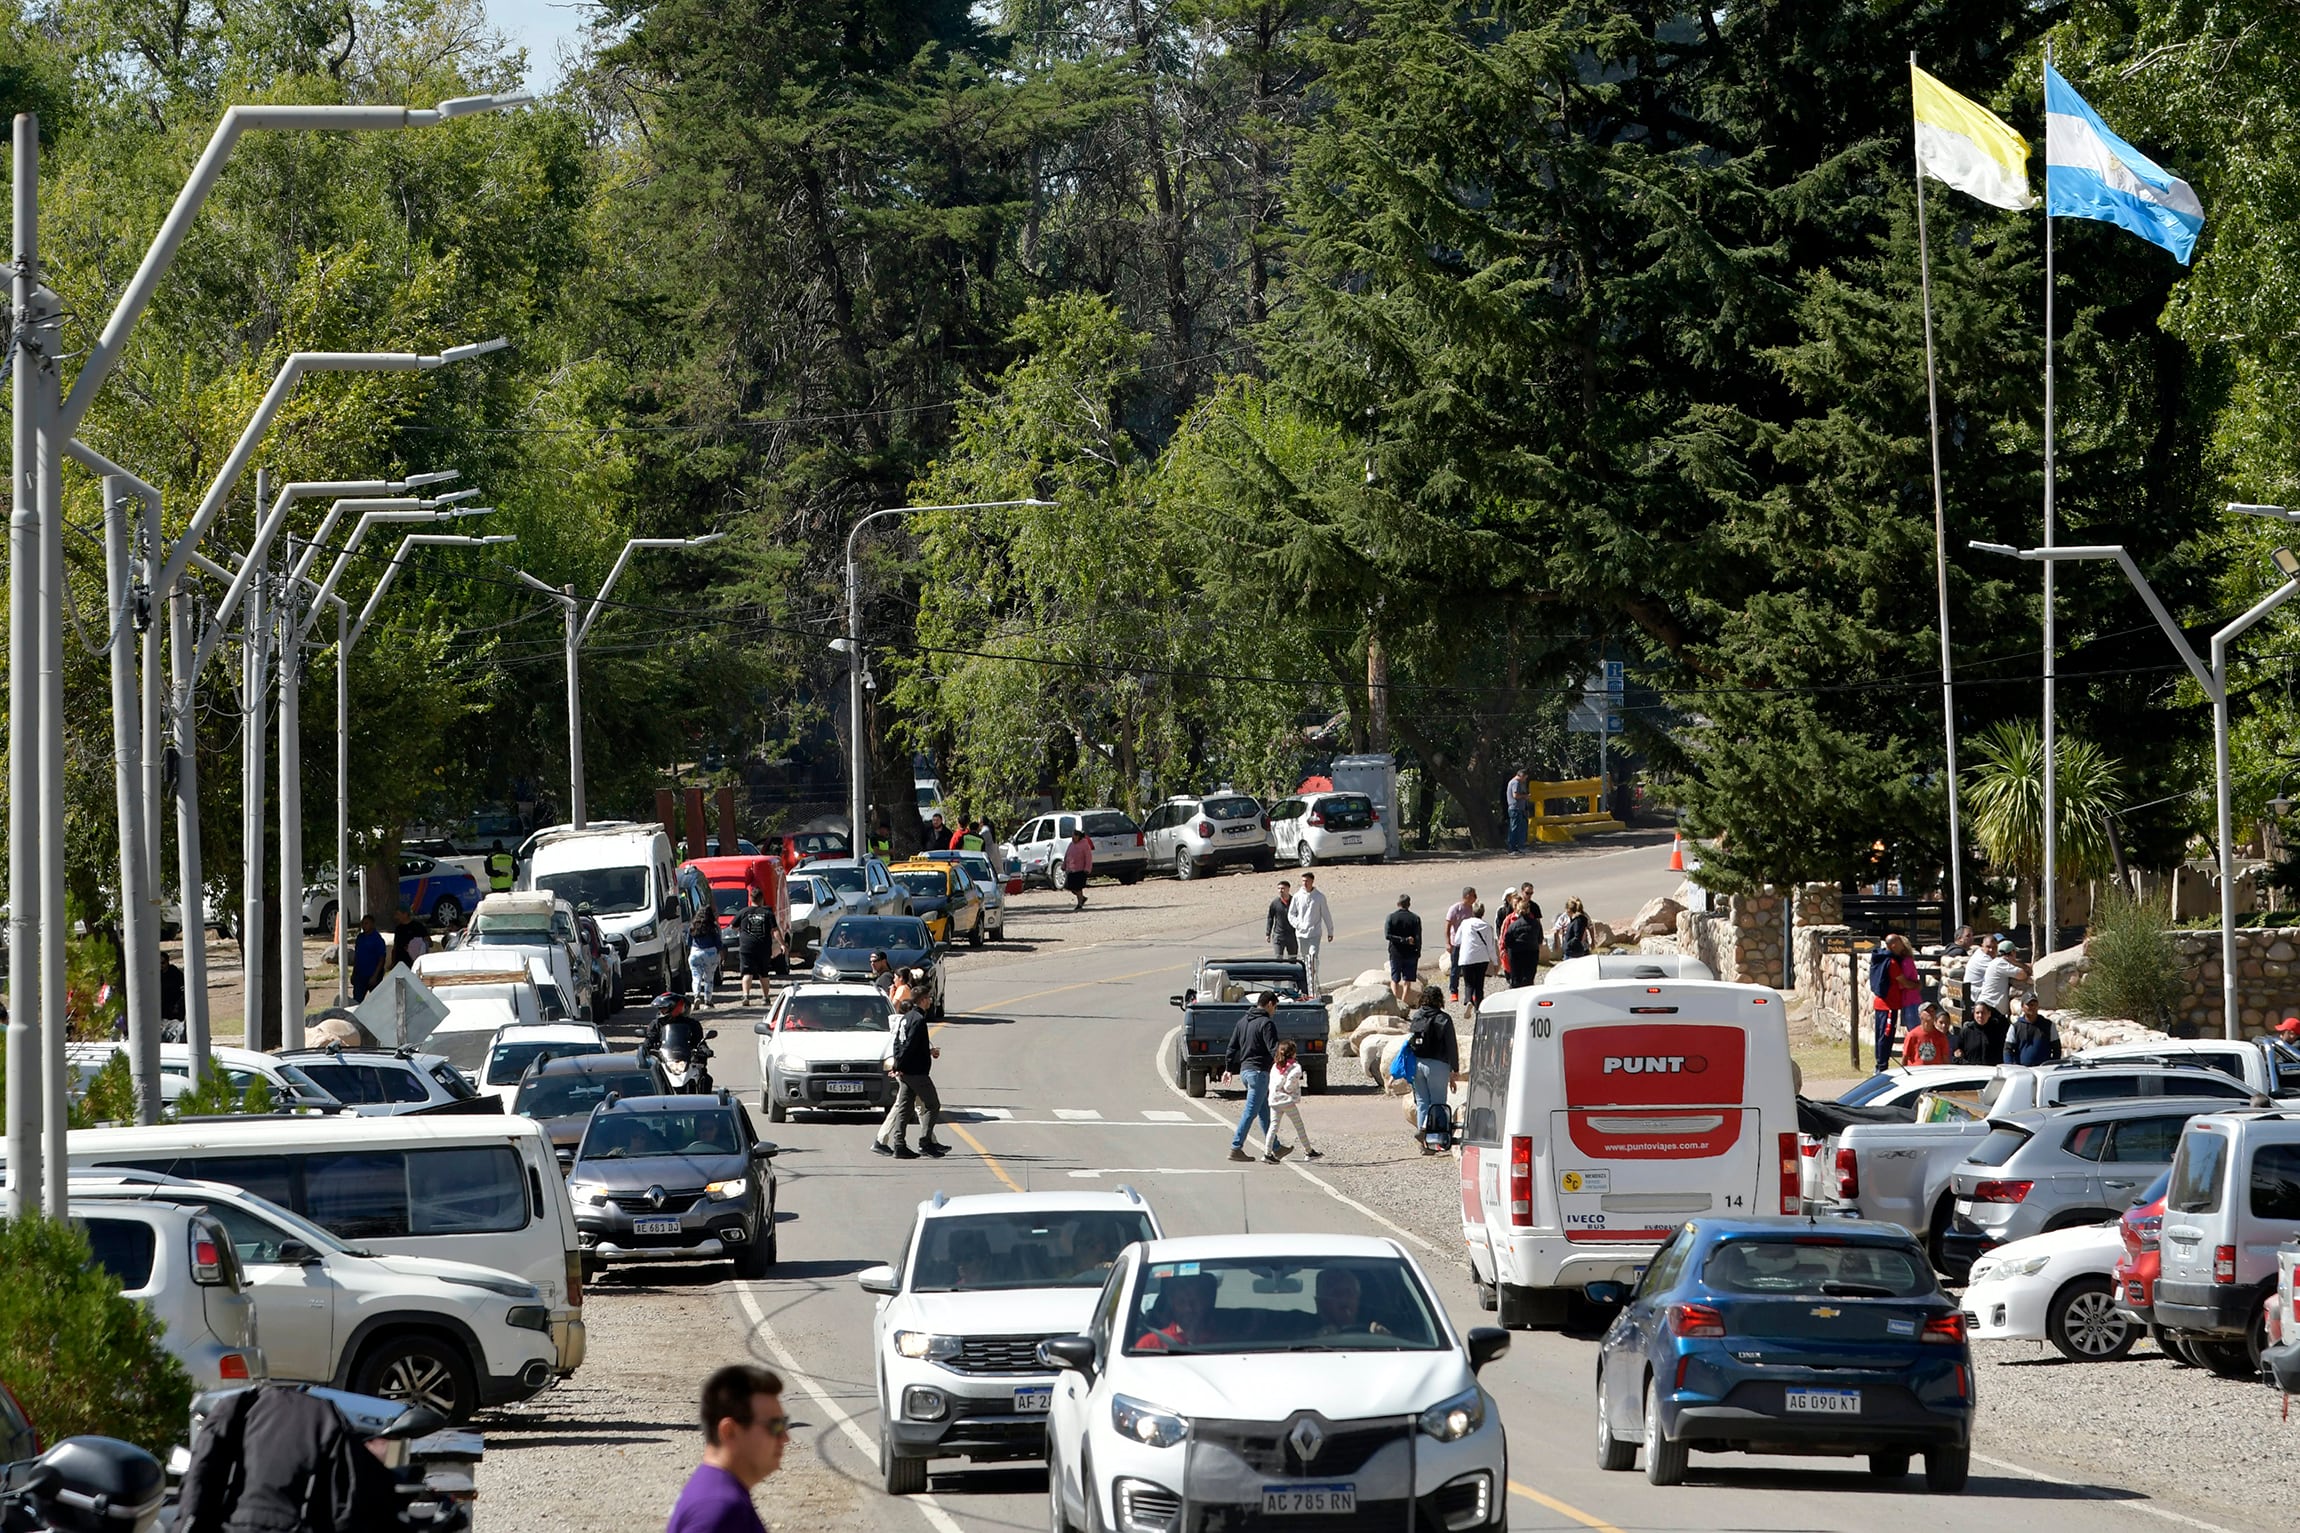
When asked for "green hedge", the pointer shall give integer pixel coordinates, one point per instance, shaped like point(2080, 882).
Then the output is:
point(79, 1356)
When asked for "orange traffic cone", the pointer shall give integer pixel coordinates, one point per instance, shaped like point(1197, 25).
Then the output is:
point(1676, 853)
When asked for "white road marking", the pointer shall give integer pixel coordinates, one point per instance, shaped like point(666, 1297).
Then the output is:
point(928, 1507)
point(1078, 1114)
point(1156, 1171)
point(1165, 1115)
point(2097, 1493)
point(977, 1114)
point(1165, 1046)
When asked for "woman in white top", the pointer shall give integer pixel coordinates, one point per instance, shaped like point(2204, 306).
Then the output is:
point(1475, 949)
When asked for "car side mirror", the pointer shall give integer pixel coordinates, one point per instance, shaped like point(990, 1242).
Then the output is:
point(1486, 1342)
point(1074, 1354)
point(294, 1253)
point(765, 1149)
point(1605, 1293)
point(566, 1156)
point(879, 1280)
point(763, 1029)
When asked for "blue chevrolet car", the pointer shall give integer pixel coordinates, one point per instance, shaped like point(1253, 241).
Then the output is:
point(1771, 1336)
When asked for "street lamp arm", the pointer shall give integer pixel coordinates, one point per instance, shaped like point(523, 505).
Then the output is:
point(412, 541)
point(2082, 552)
point(551, 591)
point(2237, 625)
point(592, 609)
point(104, 356)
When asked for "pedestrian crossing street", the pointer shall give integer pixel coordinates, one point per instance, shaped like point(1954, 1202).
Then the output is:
point(1071, 1117)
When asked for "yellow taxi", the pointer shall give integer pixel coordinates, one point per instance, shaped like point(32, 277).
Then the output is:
point(942, 895)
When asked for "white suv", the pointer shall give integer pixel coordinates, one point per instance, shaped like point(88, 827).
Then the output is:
point(1273, 1378)
point(169, 1254)
point(1328, 827)
point(445, 1334)
point(1119, 851)
point(822, 1047)
point(981, 1282)
point(1194, 836)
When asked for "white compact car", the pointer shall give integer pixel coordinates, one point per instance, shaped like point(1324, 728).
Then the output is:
point(445, 1334)
point(1194, 836)
point(518, 1046)
point(1328, 827)
point(2058, 1287)
point(823, 1047)
point(1261, 1379)
point(985, 1279)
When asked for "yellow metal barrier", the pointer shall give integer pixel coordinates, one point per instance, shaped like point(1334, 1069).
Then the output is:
point(1566, 824)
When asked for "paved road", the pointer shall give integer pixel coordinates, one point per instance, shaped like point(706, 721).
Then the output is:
point(1049, 1065)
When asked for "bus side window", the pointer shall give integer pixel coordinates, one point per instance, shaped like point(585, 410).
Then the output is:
point(1489, 1052)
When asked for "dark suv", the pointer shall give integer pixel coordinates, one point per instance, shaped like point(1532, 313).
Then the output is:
point(674, 1179)
point(563, 1090)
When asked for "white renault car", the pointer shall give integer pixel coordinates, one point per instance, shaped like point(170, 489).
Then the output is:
point(2058, 1287)
point(823, 1047)
point(1274, 1380)
point(982, 1281)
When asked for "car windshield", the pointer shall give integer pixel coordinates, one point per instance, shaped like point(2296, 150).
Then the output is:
point(574, 1094)
point(509, 1061)
point(665, 1131)
point(1282, 1304)
point(364, 1084)
point(836, 1014)
point(513, 931)
point(730, 901)
point(1107, 822)
point(927, 886)
point(979, 866)
point(608, 891)
point(466, 1050)
point(878, 931)
point(845, 880)
point(1229, 808)
point(1818, 1266)
point(1044, 1248)
point(1871, 1089)
point(1997, 1146)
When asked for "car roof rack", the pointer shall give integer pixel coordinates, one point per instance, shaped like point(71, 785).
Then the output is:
point(1127, 1188)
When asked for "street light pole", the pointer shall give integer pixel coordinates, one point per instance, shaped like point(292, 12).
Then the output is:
point(858, 753)
point(579, 617)
point(25, 1067)
point(2213, 678)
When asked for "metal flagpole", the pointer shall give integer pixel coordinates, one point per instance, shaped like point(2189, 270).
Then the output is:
point(1941, 563)
point(2049, 939)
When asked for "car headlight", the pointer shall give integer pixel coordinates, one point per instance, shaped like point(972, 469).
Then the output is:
point(926, 1344)
point(644, 932)
point(730, 1189)
point(1452, 1420)
point(1153, 1425)
point(2027, 1266)
point(510, 1288)
point(586, 1192)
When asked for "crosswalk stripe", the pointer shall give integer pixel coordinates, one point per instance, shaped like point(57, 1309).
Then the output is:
point(1077, 1114)
point(1164, 1115)
point(977, 1114)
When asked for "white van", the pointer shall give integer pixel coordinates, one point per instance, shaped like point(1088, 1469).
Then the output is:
point(623, 870)
point(1609, 1104)
point(483, 1190)
point(2233, 1199)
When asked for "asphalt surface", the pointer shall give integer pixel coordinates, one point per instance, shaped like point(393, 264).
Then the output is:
point(1049, 1078)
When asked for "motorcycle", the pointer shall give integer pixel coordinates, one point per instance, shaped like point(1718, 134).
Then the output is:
point(681, 1047)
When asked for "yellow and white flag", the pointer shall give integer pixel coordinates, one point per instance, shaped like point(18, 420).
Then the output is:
point(1968, 146)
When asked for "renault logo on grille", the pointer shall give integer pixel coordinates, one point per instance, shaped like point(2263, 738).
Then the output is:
point(654, 1197)
point(1308, 1439)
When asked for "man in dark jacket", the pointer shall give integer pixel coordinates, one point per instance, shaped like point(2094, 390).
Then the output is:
point(1403, 932)
point(1521, 942)
point(1278, 923)
point(274, 1459)
point(1253, 1048)
point(1437, 1055)
point(912, 1057)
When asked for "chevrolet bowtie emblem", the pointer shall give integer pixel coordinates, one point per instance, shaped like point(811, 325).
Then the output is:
point(1823, 1312)
point(1308, 1439)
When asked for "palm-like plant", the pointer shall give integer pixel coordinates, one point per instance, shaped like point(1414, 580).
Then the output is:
point(2004, 794)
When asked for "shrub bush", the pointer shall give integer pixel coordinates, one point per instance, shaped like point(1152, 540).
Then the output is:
point(2132, 971)
point(79, 1356)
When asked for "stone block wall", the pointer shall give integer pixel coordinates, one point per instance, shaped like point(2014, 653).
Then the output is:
point(1740, 939)
point(2267, 978)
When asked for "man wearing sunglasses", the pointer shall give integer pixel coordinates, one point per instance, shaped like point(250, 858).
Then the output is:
point(744, 1430)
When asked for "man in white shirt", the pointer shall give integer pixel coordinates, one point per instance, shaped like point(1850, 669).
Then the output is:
point(1977, 968)
point(1312, 923)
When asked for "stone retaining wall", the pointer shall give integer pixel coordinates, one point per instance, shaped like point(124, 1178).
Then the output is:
point(1740, 938)
point(2267, 978)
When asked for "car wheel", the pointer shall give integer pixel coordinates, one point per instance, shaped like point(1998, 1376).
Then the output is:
point(974, 938)
point(1314, 1076)
point(1057, 1515)
point(2084, 1324)
point(420, 1370)
point(757, 1257)
point(326, 920)
point(1665, 1460)
point(448, 912)
point(2175, 1346)
point(1946, 1469)
point(1133, 877)
point(1888, 1466)
point(1180, 1068)
point(776, 1111)
point(903, 1476)
point(1304, 856)
point(1612, 1453)
point(1184, 868)
point(1196, 1084)
point(1265, 861)
point(2226, 1359)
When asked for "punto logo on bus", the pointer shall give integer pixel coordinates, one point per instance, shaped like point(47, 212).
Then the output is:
point(1656, 1064)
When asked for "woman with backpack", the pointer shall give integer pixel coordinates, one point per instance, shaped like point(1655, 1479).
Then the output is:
point(1573, 930)
point(1437, 1055)
point(1521, 941)
point(1896, 990)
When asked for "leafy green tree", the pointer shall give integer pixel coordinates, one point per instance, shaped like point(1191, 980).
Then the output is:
point(79, 1356)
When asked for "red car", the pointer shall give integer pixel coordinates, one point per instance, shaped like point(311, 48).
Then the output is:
point(2136, 1273)
point(731, 881)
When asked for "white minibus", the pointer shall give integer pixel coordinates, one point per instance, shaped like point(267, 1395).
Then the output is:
point(1609, 1104)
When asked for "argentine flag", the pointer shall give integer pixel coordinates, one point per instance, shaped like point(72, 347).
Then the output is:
point(2091, 173)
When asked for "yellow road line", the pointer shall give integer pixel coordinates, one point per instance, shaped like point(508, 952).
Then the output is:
point(1563, 1509)
point(989, 1159)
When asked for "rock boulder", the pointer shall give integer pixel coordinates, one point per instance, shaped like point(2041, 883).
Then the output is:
point(1359, 1002)
point(1657, 918)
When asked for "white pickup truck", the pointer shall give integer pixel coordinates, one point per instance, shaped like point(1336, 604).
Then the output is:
point(1899, 1172)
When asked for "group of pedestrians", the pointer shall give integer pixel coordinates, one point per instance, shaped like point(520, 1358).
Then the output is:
point(373, 955)
point(1271, 1071)
point(1297, 924)
point(2002, 1021)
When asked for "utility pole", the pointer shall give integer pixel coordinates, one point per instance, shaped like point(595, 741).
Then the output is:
point(191, 887)
point(139, 915)
point(25, 1068)
point(255, 630)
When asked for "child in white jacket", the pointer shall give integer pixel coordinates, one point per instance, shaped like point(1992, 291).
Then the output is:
point(1286, 1085)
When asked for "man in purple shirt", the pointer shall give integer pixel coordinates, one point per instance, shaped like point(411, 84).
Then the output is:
point(744, 1430)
